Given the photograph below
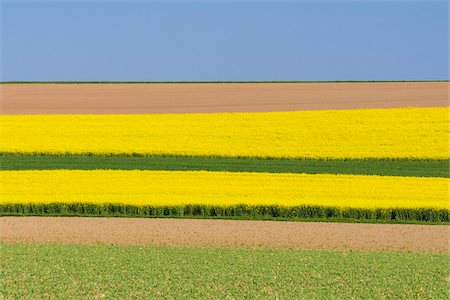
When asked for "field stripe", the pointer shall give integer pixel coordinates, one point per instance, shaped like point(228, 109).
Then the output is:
point(149, 272)
point(419, 133)
point(387, 167)
point(140, 98)
point(240, 233)
point(179, 188)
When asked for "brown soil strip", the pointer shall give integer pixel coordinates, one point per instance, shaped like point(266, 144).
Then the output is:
point(191, 98)
point(228, 233)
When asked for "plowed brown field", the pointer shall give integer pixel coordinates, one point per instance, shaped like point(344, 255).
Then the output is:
point(229, 233)
point(211, 97)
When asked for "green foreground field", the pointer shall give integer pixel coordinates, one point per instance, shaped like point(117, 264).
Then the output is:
point(81, 271)
point(387, 167)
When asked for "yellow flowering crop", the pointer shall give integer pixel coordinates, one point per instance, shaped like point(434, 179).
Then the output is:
point(365, 133)
point(155, 188)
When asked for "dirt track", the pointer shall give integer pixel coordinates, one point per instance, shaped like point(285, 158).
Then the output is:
point(188, 98)
point(189, 232)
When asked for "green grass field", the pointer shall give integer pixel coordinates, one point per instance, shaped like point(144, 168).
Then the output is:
point(387, 167)
point(80, 272)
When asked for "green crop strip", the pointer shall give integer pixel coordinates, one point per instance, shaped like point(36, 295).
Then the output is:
point(274, 212)
point(152, 272)
point(387, 167)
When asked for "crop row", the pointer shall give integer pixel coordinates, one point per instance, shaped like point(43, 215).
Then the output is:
point(235, 211)
point(222, 189)
point(420, 133)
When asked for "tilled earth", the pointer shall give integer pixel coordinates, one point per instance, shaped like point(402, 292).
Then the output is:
point(212, 97)
point(225, 233)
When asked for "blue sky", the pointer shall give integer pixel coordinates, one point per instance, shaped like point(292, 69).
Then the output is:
point(224, 40)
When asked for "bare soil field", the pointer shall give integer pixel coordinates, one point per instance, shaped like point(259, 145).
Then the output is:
point(227, 233)
point(212, 97)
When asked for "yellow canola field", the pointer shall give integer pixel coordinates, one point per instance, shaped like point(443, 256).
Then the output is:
point(366, 133)
point(157, 188)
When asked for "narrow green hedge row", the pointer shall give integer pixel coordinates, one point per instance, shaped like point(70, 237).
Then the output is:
point(239, 211)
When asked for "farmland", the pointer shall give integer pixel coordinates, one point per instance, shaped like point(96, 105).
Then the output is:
point(202, 232)
point(258, 193)
point(266, 164)
point(384, 167)
point(109, 271)
point(224, 150)
point(419, 133)
point(156, 197)
point(156, 98)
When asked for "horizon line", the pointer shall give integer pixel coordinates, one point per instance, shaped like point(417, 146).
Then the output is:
point(214, 82)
